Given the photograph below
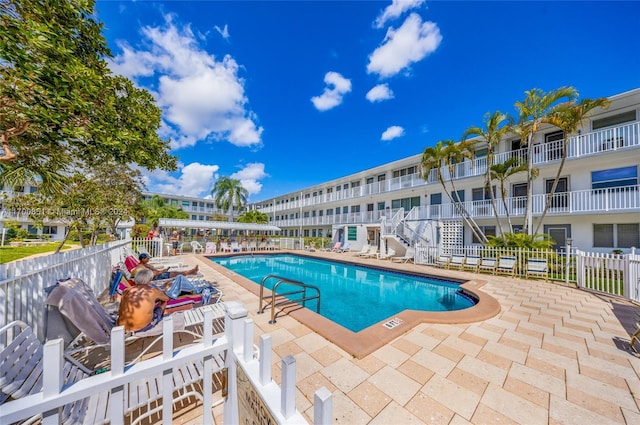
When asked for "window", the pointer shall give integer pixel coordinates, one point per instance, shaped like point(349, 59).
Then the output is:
point(352, 233)
point(482, 194)
point(50, 230)
point(624, 235)
point(458, 196)
point(345, 186)
point(338, 188)
point(329, 212)
point(560, 197)
point(554, 148)
point(307, 196)
point(369, 207)
point(315, 194)
point(487, 230)
point(329, 190)
point(406, 203)
point(481, 153)
point(345, 209)
point(382, 177)
point(380, 206)
point(615, 177)
point(404, 172)
point(369, 180)
point(32, 229)
point(355, 184)
point(614, 120)
point(435, 199)
point(337, 210)
point(355, 208)
point(186, 203)
point(519, 191)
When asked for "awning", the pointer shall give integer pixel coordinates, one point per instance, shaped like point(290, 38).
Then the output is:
point(223, 225)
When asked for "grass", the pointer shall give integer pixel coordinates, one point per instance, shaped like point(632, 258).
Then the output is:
point(12, 253)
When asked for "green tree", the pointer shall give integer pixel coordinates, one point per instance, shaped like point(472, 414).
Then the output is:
point(156, 208)
point(445, 155)
point(496, 126)
point(60, 108)
point(534, 111)
point(568, 119)
point(253, 216)
point(228, 194)
point(502, 172)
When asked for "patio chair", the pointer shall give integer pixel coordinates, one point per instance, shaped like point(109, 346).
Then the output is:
point(196, 247)
point(488, 264)
point(406, 258)
point(235, 247)
point(457, 261)
point(363, 250)
point(537, 267)
point(346, 247)
point(443, 261)
point(471, 263)
point(391, 252)
point(253, 246)
point(506, 265)
point(210, 248)
point(372, 253)
point(336, 246)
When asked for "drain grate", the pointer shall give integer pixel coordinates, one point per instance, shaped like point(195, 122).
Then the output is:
point(393, 323)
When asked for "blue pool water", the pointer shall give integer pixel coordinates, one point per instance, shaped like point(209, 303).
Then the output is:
point(352, 296)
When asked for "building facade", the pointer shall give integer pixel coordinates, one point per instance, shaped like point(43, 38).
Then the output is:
point(596, 203)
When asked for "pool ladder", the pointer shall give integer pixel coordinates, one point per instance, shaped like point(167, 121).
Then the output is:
point(276, 299)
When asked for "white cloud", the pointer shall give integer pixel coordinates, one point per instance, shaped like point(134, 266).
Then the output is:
point(395, 9)
point(201, 97)
point(337, 87)
point(249, 177)
point(392, 132)
point(379, 93)
point(224, 32)
point(194, 179)
point(410, 43)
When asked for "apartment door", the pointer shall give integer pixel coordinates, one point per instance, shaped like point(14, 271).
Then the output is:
point(559, 233)
point(560, 200)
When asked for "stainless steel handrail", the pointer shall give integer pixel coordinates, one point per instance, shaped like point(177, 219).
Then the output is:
point(274, 294)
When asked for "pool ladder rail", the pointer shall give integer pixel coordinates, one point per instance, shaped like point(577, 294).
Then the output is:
point(276, 299)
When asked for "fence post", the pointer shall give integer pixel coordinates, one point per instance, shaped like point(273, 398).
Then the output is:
point(322, 407)
point(568, 262)
point(233, 325)
point(288, 400)
point(53, 379)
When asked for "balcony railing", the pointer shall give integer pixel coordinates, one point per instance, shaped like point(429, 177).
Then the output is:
point(593, 143)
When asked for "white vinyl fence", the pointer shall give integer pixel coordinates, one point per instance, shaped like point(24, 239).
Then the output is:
point(22, 283)
point(610, 273)
point(235, 347)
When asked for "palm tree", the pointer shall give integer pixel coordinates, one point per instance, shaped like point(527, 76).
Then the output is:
point(446, 153)
point(229, 193)
point(568, 120)
point(502, 172)
point(155, 208)
point(496, 125)
point(253, 216)
point(533, 111)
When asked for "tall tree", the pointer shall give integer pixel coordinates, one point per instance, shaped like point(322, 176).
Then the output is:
point(496, 126)
point(445, 155)
point(228, 194)
point(502, 172)
point(156, 208)
point(533, 111)
point(568, 119)
point(60, 108)
point(253, 216)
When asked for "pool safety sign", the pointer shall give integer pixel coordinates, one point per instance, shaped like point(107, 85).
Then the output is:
point(252, 409)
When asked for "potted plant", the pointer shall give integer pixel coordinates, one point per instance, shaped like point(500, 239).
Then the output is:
point(617, 251)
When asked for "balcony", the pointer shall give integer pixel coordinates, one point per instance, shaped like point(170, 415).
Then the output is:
point(597, 142)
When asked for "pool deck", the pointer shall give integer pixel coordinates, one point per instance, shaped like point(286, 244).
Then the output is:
point(551, 355)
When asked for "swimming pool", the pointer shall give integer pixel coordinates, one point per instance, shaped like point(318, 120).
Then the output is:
point(354, 297)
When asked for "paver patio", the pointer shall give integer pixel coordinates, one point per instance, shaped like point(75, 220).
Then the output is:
point(553, 355)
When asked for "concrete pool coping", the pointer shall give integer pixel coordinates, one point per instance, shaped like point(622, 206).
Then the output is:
point(360, 344)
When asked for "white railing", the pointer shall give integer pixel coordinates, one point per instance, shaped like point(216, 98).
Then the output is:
point(561, 266)
point(22, 292)
point(610, 273)
point(235, 346)
point(592, 143)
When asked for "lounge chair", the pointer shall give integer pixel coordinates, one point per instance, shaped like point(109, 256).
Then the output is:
point(471, 263)
point(373, 252)
point(538, 267)
point(391, 252)
point(363, 250)
point(333, 247)
point(443, 261)
point(345, 248)
point(406, 258)
point(488, 264)
point(253, 246)
point(457, 261)
point(506, 265)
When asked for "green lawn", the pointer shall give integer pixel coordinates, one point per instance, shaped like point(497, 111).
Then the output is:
point(12, 253)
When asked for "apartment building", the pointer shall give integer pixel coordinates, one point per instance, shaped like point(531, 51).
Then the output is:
point(596, 204)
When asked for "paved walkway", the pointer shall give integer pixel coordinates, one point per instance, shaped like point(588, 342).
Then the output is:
point(553, 355)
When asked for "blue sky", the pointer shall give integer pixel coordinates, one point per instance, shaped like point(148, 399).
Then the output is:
point(283, 95)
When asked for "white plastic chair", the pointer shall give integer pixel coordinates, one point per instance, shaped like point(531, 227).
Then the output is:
point(196, 247)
